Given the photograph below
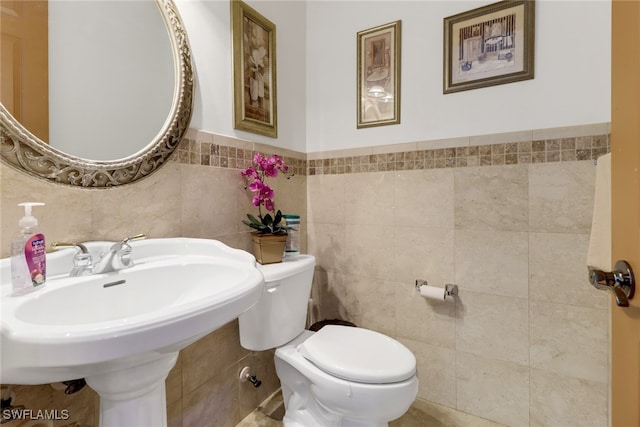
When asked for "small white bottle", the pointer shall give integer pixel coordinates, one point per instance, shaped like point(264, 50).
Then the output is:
point(28, 254)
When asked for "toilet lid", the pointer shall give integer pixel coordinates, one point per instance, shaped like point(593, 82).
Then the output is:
point(359, 355)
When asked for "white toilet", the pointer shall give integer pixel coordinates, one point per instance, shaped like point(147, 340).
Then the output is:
point(339, 376)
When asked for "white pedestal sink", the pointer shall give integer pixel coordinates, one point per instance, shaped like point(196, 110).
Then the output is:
point(122, 331)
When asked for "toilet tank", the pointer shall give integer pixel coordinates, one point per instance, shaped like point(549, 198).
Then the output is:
point(281, 313)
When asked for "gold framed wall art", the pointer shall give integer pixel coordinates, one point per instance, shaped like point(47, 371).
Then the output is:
point(490, 45)
point(379, 75)
point(254, 71)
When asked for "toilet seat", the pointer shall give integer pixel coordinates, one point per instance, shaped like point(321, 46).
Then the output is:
point(359, 355)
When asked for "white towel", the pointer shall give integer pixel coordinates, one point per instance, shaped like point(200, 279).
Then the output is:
point(599, 255)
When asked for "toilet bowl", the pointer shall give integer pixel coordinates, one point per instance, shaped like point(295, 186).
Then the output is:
point(339, 376)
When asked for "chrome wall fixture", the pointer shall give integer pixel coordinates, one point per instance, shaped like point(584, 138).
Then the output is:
point(621, 281)
point(245, 375)
point(450, 290)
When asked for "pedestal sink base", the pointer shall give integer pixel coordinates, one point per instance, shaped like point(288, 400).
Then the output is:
point(134, 396)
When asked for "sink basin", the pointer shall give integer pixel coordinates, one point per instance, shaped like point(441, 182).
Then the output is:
point(120, 324)
point(134, 297)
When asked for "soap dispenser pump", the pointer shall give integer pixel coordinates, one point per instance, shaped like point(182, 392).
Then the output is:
point(28, 254)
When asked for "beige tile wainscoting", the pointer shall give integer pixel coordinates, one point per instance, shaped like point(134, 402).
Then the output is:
point(183, 198)
point(506, 217)
point(526, 343)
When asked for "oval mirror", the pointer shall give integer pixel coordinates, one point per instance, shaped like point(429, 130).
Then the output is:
point(119, 95)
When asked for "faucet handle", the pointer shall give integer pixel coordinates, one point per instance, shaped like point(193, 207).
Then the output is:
point(82, 265)
point(82, 262)
point(58, 245)
point(124, 243)
point(136, 237)
point(124, 251)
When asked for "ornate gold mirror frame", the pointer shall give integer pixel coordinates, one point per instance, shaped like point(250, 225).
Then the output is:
point(26, 152)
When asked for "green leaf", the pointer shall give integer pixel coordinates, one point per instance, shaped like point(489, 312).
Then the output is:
point(278, 217)
point(252, 225)
point(253, 219)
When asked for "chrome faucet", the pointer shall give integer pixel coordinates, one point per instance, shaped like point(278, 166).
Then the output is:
point(82, 264)
point(118, 257)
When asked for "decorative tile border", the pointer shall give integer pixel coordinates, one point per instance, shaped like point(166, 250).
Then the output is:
point(223, 156)
point(191, 151)
point(511, 153)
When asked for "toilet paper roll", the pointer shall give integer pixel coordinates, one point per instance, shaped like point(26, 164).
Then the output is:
point(433, 293)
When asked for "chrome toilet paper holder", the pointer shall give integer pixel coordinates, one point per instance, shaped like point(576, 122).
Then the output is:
point(449, 289)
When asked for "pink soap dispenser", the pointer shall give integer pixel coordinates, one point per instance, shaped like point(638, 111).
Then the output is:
point(28, 254)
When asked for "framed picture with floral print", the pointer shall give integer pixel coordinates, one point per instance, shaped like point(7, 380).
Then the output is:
point(490, 45)
point(254, 71)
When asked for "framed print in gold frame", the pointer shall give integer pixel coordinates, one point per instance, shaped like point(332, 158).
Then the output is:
point(490, 45)
point(254, 71)
point(379, 75)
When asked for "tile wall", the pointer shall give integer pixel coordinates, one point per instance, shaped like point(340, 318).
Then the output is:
point(506, 218)
point(199, 194)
